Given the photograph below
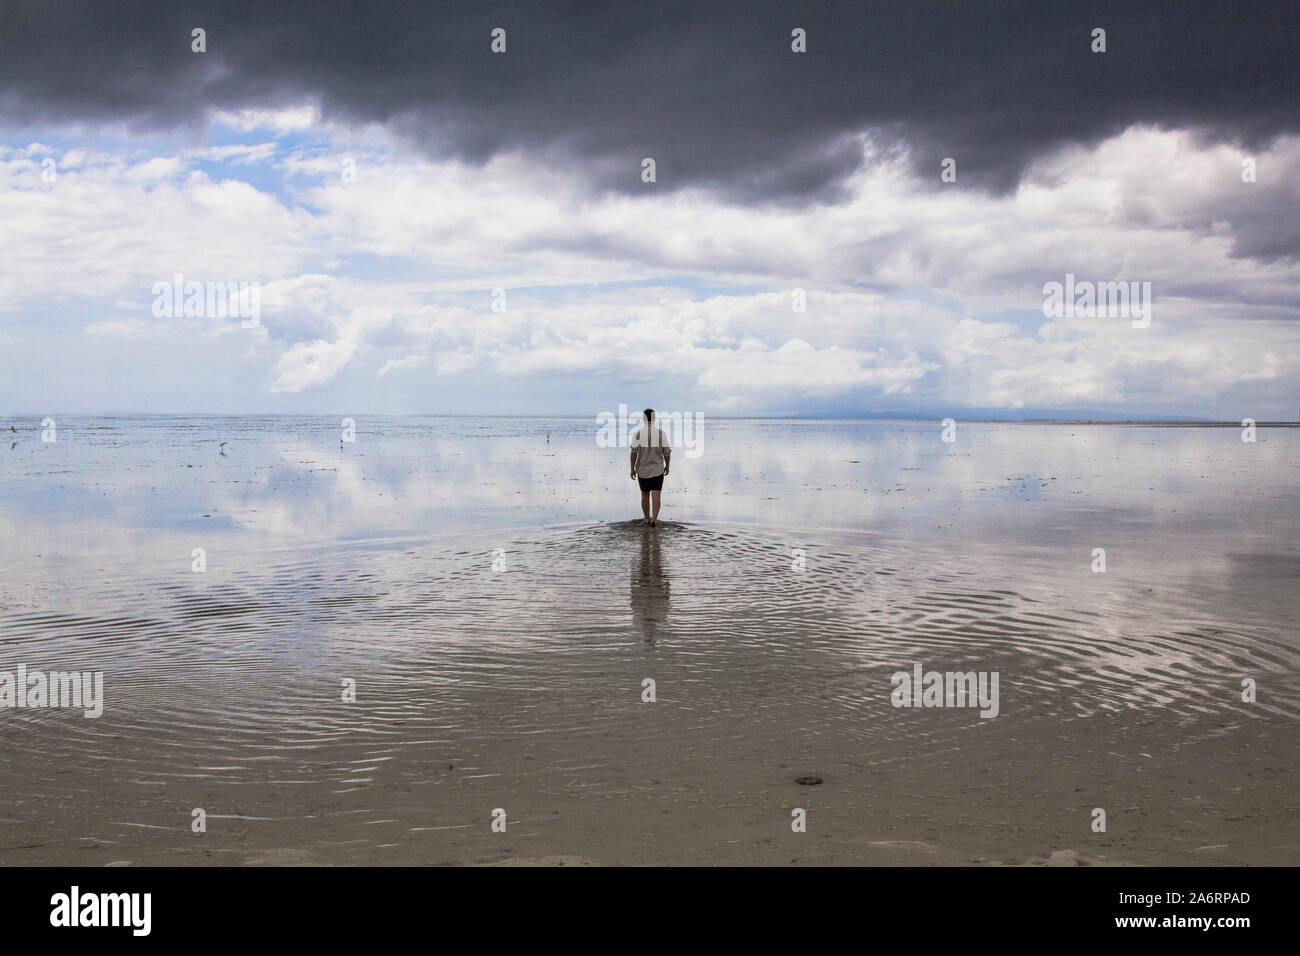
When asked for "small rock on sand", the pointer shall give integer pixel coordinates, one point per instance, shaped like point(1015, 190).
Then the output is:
point(1064, 858)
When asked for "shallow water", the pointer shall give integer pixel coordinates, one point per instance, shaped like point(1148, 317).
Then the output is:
point(373, 561)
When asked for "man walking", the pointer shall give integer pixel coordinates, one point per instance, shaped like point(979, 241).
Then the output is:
point(651, 454)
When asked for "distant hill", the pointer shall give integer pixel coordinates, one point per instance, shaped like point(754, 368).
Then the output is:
point(1004, 415)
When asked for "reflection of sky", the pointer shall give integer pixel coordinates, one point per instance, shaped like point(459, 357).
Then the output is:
point(314, 547)
point(286, 480)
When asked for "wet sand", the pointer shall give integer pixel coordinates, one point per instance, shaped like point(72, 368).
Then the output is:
point(520, 688)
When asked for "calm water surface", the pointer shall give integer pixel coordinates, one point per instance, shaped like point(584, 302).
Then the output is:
point(374, 561)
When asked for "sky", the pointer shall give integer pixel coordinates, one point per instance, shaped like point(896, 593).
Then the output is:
point(855, 208)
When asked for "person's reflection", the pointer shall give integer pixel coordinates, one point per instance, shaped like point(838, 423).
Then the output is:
point(649, 587)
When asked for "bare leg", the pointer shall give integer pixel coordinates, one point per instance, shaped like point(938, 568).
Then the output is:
point(654, 496)
point(645, 504)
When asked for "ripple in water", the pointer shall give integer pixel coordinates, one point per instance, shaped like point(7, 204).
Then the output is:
point(233, 679)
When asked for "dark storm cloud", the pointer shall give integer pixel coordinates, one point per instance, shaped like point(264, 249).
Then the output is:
point(710, 90)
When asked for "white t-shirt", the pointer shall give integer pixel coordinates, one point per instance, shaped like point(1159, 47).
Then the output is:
point(650, 443)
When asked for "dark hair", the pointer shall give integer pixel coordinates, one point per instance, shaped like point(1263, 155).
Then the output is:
point(649, 414)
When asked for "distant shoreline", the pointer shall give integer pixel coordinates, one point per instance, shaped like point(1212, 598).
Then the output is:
point(1148, 422)
point(1156, 422)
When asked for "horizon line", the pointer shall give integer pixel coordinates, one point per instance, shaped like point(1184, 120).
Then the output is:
point(1180, 420)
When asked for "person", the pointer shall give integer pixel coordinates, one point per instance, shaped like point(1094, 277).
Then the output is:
point(650, 460)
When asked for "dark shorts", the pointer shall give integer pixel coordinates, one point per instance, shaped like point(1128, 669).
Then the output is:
point(652, 484)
